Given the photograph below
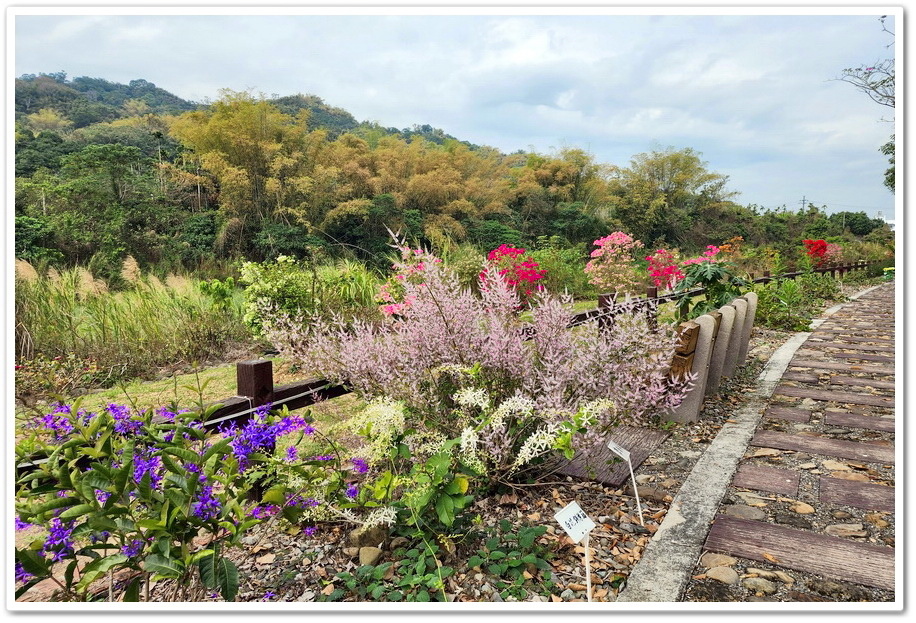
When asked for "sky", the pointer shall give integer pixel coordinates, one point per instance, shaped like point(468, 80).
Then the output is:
point(756, 95)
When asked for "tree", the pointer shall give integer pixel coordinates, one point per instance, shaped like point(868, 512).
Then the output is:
point(888, 149)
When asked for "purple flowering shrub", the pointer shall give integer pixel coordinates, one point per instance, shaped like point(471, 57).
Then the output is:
point(121, 489)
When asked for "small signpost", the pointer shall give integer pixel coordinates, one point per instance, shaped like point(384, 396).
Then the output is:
point(578, 525)
point(625, 455)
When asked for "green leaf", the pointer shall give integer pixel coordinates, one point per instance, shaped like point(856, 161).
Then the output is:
point(220, 573)
point(132, 590)
point(378, 592)
point(497, 555)
point(475, 561)
point(176, 497)
point(445, 509)
point(166, 567)
point(55, 503)
point(423, 595)
point(33, 562)
point(188, 456)
point(99, 567)
point(77, 511)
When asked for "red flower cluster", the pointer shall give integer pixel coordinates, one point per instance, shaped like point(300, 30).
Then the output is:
point(663, 269)
point(516, 268)
point(816, 250)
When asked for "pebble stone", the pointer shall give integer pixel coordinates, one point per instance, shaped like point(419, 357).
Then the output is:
point(726, 575)
point(710, 560)
point(744, 512)
point(759, 585)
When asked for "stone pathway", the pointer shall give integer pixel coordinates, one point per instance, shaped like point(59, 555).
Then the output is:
point(813, 497)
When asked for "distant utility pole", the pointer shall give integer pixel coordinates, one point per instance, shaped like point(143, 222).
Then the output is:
point(803, 202)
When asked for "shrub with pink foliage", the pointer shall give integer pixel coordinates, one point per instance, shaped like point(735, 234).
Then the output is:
point(611, 266)
point(450, 340)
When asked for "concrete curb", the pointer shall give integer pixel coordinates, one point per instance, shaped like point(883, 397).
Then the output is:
point(662, 573)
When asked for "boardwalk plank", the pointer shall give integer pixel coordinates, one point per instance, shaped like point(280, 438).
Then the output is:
point(765, 478)
point(816, 364)
point(825, 446)
point(833, 557)
point(854, 420)
point(864, 495)
point(830, 396)
point(788, 413)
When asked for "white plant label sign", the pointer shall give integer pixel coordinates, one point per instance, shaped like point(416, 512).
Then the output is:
point(619, 450)
point(625, 455)
point(574, 521)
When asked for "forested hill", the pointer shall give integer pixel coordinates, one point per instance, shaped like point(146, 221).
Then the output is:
point(106, 170)
point(84, 101)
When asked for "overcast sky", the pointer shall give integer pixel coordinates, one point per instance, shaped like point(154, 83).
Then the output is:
point(753, 93)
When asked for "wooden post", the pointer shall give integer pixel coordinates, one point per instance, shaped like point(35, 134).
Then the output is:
point(652, 308)
point(766, 276)
point(255, 380)
point(606, 301)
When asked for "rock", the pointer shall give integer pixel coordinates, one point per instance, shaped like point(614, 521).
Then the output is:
point(710, 560)
point(538, 598)
point(807, 466)
point(744, 512)
point(784, 577)
point(496, 596)
point(846, 529)
point(841, 515)
point(652, 493)
point(841, 592)
point(398, 541)
point(751, 499)
point(802, 509)
point(808, 402)
point(306, 596)
point(353, 552)
point(759, 585)
point(835, 465)
point(712, 591)
point(761, 573)
point(877, 520)
point(726, 575)
point(567, 594)
point(369, 555)
point(373, 536)
point(766, 452)
point(644, 478)
point(854, 476)
point(791, 519)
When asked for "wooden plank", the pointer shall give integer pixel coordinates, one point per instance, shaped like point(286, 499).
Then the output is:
point(858, 381)
point(853, 420)
point(688, 333)
point(829, 556)
point(800, 377)
point(831, 337)
point(879, 358)
point(765, 478)
point(788, 413)
point(801, 362)
point(825, 446)
point(829, 396)
point(681, 365)
point(842, 346)
point(864, 495)
point(593, 463)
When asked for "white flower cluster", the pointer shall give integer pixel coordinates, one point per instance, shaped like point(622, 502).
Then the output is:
point(468, 452)
point(425, 443)
point(591, 410)
point(517, 405)
point(472, 397)
point(538, 443)
point(380, 422)
point(381, 515)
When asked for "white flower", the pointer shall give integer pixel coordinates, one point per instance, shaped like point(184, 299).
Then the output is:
point(381, 515)
point(468, 452)
point(472, 397)
point(538, 443)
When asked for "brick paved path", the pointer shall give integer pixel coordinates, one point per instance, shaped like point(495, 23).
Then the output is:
point(815, 491)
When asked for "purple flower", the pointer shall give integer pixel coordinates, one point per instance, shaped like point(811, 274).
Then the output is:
point(292, 454)
point(310, 530)
point(59, 542)
point(101, 536)
point(21, 574)
point(124, 424)
point(269, 595)
point(57, 422)
point(352, 490)
point(359, 465)
point(146, 463)
point(263, 512)
point(21, 525)
point(133, 548)
point(323, 457)
point(102, 496)
point(206, 506)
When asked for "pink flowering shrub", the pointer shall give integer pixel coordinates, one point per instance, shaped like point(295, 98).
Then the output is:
point(611, 266)
point(709, 255)
point(833, 255)
point(449, 339)
point(663, 269)
point(410, 269)
point(515, 267)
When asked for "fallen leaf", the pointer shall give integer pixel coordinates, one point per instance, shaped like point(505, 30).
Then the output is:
point(601, 592)
point(327, 590)
point(266, 559)
point(770, 557)
point(554, 598)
